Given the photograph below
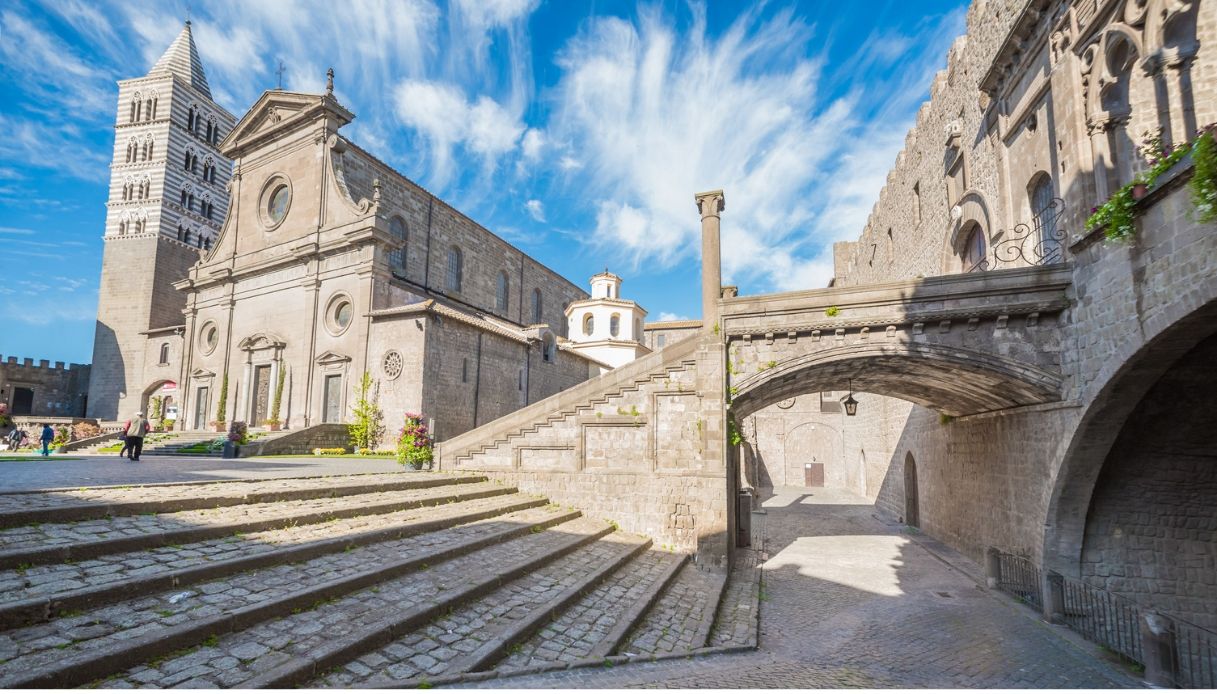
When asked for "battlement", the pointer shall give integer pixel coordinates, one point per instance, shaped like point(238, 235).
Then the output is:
point(44, 364)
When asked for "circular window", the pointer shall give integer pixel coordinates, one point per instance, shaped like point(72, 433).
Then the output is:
point(277, 209)
point(276, 201)
point(391, 364)
point(209, 337)
point(339, 315)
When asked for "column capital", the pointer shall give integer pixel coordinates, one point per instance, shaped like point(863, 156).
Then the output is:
point(710, 203)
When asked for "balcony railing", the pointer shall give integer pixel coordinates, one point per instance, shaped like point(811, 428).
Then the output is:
point(1040, 242)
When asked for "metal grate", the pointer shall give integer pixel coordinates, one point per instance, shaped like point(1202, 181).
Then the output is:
point(1021, 578)
point(1103, 618)
point(1194, 652)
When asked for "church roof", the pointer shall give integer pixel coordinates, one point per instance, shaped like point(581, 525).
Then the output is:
point(182, 59)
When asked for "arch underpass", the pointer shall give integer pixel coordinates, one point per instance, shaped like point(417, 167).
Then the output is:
point(959, 344)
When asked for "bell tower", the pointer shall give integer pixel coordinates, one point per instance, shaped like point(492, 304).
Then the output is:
point(168, 197)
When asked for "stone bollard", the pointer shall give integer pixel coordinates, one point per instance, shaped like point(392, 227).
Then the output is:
point(992, 567)
point(1054, 597)
point(1157, 641)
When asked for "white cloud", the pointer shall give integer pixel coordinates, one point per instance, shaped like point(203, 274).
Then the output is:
point(665, 316)
point(656, 116)
point(536, 210)
point(441, 113)
point(532, 144)
point(488, 13)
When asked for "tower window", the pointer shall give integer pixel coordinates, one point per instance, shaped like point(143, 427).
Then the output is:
point(500, 293)
point(589, 324)
point(397, 258)
point(536, 305)
point(164, 354)
point(615, 324)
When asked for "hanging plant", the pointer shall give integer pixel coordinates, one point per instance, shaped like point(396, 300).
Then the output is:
point(1204, 177)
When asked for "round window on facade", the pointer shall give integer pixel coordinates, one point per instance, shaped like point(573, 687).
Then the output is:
point(276, 201)
point(209, 337)
point(339, 315)
point(392, 364)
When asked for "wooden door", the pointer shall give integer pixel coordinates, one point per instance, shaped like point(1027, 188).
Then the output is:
point(813, 474)
point(261, 406)
point(912, 510)
point(23, 401)
point(332, 404)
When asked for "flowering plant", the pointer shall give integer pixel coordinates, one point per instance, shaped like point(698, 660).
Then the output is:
point(5, 420)
point(414, 444)
point(238, 433)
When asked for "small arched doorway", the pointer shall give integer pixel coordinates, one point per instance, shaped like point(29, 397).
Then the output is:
point(912, 512)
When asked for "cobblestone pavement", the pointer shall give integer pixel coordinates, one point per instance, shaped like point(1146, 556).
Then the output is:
point(38, 581)
point(11, 503)
point(236, 658)
point(682, 618)
point(42, 535)
point(852, 602)
point(736, 621)
point(447, 646)
point(36, 647)
point(93, 471)
point(581, 628)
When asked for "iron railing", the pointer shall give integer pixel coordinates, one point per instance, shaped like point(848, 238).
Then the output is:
point(1042, 242)
point(1101, 617)
point(1173, 651)
point(1021, 578)
point(1193, 655)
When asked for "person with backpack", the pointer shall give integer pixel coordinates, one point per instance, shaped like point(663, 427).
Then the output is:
point(48, 435)
point(134, 436)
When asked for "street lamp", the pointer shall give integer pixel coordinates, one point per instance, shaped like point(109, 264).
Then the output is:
point(851, 405)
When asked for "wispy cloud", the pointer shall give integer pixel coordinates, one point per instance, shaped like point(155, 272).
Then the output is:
point(535, 209)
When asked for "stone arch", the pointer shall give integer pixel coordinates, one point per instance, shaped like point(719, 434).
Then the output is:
point(149, 392)
point(953, 380)
point(972, 211)
point(814, 443)
point(1127, 378)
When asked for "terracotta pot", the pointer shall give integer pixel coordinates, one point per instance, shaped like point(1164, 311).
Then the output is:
point(273, 427)
point(1139, 191)
point(220, 428)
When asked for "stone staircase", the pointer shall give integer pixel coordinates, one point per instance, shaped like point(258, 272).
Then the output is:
point(386, 580)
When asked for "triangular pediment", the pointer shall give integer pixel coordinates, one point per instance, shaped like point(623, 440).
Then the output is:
point(202, 373)
point(332, 358)
point(262, 341)
point(276, 112)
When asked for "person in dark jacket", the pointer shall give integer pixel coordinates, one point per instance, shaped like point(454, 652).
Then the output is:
point(48, 435)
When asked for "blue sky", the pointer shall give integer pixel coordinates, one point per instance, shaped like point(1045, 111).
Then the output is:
point(577, 130)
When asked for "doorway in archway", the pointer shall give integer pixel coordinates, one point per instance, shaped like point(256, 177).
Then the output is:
point(912, 512)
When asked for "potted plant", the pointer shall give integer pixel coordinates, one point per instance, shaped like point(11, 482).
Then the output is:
point(222, 410)
point(238, 435)
point(414, 444)
point(273, 422)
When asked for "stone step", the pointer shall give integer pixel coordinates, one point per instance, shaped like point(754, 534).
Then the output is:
point(595, 626)
point(62, 542)
point(63, 505)
point(735, 625)
point(682, 618)
point(475, 636)
point(295, 648)
point(80, 648)
point(29, 596)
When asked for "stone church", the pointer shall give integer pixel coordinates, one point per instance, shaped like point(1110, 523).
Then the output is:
point(255, 270)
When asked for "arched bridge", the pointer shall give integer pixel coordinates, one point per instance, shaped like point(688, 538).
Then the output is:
point(960, 344)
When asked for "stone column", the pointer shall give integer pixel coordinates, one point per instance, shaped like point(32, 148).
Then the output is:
point(710, 204)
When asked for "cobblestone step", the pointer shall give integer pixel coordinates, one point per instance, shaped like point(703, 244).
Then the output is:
point(735, 624)
point(293, 649)
point(60, 542)
point(683, 616)
point(479, 634)
point(79, 648)
point(63, 505)
point(37, 594)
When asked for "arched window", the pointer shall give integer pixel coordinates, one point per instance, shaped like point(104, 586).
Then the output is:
point(548, 347)
point(132, 146)
point(589, 324)
point(500, 293)
point(397, 258)
point(190, 202)
point(190, 119)
point(186, 239)
point(1044, 211)
point(455, 269)
point(186, 161)
point(152, 111)
point(207, 244)
point(179, 232)
point(615, 324)
point(536, 306)
point(974, 251)
point(184, 197)
point(164, 353)
point(213, 131)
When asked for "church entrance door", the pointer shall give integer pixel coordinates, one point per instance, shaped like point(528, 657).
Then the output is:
point(331, 405)
point(261, 404)
point(201, 398)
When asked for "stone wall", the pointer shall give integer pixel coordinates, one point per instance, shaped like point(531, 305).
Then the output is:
point(641, 445)
point(58, 390)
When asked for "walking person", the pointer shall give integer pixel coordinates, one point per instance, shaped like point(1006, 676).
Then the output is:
point(48, 435)
point(136, 429)
point(14, 439)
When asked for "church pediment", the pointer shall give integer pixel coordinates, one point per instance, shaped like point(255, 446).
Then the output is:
point(279, 111)
point(332, 358)
point(202, 374)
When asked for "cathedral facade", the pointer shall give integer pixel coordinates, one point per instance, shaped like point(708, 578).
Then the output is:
point(327, 265)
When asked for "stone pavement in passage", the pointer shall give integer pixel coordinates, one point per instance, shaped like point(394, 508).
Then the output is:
point(849, 601)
